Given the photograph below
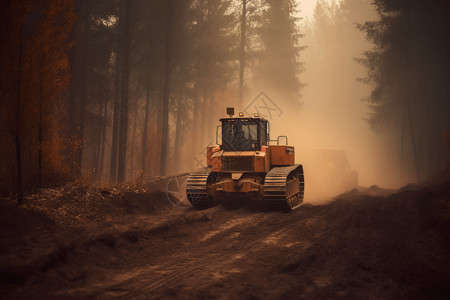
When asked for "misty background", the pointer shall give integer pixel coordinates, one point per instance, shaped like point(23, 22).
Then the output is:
point(117, 90)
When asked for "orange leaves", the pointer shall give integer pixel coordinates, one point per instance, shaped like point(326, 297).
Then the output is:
point(43, 30)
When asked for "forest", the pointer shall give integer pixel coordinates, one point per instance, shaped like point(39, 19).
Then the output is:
point(121, 90)
point(112, 185)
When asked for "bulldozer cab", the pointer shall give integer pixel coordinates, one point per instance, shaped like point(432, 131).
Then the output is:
point(244, 134)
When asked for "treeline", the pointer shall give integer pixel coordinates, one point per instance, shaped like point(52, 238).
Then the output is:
point(34, 81)
point(114, 90)
point(409, 67)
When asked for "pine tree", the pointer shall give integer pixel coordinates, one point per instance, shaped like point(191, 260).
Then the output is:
point(279, 63)
point(408, 66)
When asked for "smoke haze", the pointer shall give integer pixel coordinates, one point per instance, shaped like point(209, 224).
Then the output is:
point(130, 90)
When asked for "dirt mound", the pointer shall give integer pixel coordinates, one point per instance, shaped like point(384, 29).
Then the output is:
point(76, 204)
point(54, 226)
point(372, 247)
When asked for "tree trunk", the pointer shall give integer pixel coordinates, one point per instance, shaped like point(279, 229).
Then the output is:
point(242, 54)
point(132, 165)
point(165, 112)
point(102, 140)
point(178, 134)
point(145, 129)
point(116, 120)
point(78, 87)
point(210, 128)
point(414, 146)
point(41, 99)
point(195, 130)
point(402, 139)
point(98, 141)
point(123, 132)
point(204, 114)
point(18, 145)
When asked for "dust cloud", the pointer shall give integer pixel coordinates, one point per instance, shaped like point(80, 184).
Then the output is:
point(328, 121)
point(329, 130)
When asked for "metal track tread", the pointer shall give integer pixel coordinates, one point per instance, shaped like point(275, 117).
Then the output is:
point(276, 187)
point(196, 187)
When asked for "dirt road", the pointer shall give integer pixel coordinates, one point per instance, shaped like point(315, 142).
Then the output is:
point(365, 244)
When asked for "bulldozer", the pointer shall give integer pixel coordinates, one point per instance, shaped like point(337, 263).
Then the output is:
point(247, 164)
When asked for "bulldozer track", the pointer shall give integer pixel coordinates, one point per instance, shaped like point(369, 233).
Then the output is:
point(275, 187)
point(196, 186)
point(207, 258)
point(276, 192)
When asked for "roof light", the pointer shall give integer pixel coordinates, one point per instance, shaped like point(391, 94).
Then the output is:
point(256, 115)
point(241, 114)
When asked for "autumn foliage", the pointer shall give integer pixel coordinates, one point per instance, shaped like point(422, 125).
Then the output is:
point(35, 77)
point(117, 89)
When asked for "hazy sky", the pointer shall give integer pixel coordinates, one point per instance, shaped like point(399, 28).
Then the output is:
point(307, 7)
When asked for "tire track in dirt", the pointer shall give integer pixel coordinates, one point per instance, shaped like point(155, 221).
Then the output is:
point(184, 269)
point(203, 249)
point(205, 260)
